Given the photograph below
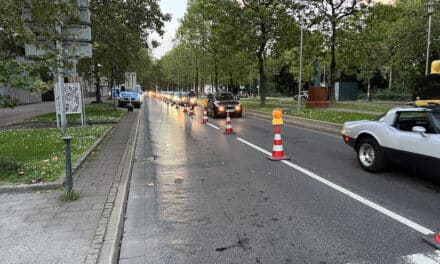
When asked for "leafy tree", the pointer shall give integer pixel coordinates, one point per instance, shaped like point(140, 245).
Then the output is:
point(264, 24)
point(332, 17)
point(15, 71)
point(120, 29)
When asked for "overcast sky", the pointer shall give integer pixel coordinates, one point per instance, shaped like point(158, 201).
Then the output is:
point(177, 9)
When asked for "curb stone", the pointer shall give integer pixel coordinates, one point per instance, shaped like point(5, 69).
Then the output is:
point(106, 240)
point(322, 126)
point(62, 179)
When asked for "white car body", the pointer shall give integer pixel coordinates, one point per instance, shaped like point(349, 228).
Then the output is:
point(403, 134)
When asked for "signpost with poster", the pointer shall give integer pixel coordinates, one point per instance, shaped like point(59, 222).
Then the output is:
point(72, 100)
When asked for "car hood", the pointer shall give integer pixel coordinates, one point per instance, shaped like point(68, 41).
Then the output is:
point(355, 123)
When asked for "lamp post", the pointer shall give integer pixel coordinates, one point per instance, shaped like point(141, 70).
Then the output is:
point(301, 3)
point(430, 6)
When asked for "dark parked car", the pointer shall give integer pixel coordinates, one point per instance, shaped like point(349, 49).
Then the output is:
point(219, 103)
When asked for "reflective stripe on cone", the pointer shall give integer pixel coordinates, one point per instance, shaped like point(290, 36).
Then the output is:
point(277, 150)
point(228, 129)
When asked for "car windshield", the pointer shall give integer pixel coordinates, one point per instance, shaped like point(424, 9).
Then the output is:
point(224, 96)
point(435, 121)
point(129, 90)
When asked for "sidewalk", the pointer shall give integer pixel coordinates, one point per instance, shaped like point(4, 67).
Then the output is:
point(36, 227)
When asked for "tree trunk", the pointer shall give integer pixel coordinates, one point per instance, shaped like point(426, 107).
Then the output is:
point(97, 85)
point(390, 81)
point(332, 64)
point(262, 80)
point(215, 75)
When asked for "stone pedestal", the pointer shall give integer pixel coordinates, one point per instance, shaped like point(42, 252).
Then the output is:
point(317, 98)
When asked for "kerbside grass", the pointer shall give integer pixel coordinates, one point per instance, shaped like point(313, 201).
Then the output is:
point(37, 155)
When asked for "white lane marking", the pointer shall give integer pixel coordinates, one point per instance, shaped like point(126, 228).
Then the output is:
point(350, 194)
point(426, 258)
point(420, 258)
point(209, 124)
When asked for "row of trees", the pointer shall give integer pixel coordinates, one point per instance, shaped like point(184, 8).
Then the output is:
point(232, 42)
point(120, 31)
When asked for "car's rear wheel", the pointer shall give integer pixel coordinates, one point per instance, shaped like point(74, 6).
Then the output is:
point(214, 113)
point(370, 155)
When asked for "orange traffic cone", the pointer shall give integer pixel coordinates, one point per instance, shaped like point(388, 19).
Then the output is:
point(228, 129)
point(205, 116)
point(191, 111)
point(433, 240)
point(277, 150)
point(185, 108)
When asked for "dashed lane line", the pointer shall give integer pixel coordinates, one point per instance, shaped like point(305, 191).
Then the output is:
point(373, 205)
point(211, 125)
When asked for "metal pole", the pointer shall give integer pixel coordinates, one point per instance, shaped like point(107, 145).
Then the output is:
point(69, 180)
point(61, 87)
point(428, 42)
point(66, 138)
point(300, 63)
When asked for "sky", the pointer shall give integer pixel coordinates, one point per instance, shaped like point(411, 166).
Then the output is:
point(177, 9)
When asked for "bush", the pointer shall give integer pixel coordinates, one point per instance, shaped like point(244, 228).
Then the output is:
point(386, 94)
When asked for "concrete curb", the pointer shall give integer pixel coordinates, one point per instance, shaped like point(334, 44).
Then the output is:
point(60, 182)
point(322, 126)
point(109, 251)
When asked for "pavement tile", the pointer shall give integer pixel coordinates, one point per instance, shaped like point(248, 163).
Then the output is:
point(36, 227)
point(133, 246)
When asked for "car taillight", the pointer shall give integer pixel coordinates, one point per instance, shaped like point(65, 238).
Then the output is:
point(346, 139)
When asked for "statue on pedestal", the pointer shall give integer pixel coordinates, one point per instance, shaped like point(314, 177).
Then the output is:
point(316, 73)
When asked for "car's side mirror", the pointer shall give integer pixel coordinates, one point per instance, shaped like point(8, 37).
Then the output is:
point(419, 129)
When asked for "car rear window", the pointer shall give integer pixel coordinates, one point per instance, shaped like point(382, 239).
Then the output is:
point(224, 96)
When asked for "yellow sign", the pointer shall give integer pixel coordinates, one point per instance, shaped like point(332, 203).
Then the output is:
point(435, 67)
point(426, 102)
point(277, 115)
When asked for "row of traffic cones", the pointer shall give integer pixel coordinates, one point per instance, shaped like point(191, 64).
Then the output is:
point(277, 149)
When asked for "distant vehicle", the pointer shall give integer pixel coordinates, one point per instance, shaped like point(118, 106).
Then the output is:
point(189, 98)
point(304, 96)
point(133, 96)
point(410, 135)
point(219, 103)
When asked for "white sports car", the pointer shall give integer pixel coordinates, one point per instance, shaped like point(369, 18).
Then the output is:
point(403, 134)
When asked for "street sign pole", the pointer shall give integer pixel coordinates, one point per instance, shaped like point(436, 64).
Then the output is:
point(66, 138)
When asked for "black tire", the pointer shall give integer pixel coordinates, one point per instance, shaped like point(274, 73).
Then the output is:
point(137, 105)
point(214, 113)
point(370, 155)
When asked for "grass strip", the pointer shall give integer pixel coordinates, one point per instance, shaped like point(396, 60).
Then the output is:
point(37, 155)
point(95, 113)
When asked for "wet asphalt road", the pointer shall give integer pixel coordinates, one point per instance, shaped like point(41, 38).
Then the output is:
point(199, 196)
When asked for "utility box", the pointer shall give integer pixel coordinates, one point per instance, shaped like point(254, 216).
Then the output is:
point(346, 91)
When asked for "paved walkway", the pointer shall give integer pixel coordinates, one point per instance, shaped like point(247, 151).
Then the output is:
point(36, 227)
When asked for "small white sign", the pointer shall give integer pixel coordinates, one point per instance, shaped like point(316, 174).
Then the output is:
point(72, 98)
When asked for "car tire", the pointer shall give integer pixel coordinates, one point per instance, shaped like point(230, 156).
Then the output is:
point(214, 113)
point(370, 155)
